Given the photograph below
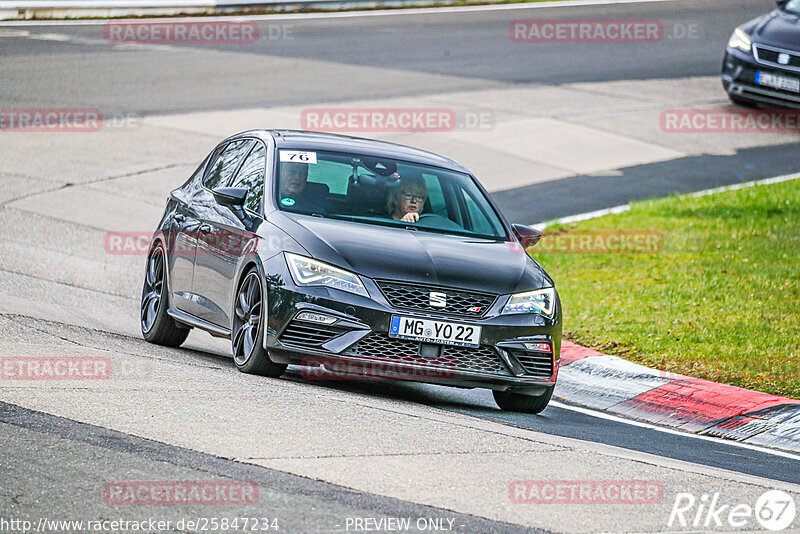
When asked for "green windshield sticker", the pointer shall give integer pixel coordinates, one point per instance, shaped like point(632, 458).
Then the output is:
point(287, 201)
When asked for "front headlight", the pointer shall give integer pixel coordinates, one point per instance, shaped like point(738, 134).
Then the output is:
point(310, 272)
point(740, 40)
point(541, 301)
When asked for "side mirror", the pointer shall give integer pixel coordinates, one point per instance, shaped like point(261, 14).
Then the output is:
point(230, 196)
point(526, 235)
point(781, 3)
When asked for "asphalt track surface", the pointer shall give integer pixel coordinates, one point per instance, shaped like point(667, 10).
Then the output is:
point(409, 55)
point(460, 51)
point(560, 420)
point(28, 439)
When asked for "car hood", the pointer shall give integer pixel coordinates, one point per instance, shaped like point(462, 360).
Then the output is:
point(417, 256)
point(778, 28)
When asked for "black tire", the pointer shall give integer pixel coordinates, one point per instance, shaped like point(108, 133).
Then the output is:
point(157, 326)
point(247, 335)
point(518, 402)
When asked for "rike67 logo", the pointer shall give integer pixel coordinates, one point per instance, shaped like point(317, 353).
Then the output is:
point(774, 510)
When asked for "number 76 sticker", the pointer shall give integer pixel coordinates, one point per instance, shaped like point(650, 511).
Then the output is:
point(297, 156)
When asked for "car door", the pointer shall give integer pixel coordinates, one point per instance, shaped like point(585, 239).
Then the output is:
point(183, 232)
point(224, 234)
point(182, 239)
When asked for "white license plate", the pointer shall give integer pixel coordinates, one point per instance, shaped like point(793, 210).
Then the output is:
point(428, 331)
point(778, 82)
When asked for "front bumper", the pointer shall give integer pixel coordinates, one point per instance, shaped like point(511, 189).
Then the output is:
point(739, 80)
point(358, 345)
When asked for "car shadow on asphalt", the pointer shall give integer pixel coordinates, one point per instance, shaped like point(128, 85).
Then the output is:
point(477, 401)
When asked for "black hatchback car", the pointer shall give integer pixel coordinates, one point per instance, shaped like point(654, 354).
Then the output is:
point(762, 60)
point(353, 256)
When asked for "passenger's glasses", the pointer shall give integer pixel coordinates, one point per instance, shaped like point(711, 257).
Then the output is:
point(408, 195)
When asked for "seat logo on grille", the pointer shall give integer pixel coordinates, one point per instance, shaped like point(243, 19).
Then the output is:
point(437, 300)
point(783, 59)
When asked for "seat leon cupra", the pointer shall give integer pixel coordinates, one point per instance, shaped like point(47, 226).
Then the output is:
point(762, 59)
point(353, 256)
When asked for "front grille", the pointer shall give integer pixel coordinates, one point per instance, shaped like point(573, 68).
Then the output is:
point(309, 335)
point(769, 56)
point(382, 347)
point(416, 297)
point(538, 364)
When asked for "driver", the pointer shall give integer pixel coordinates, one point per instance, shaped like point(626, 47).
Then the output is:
point(405, 202)
point(293, 190)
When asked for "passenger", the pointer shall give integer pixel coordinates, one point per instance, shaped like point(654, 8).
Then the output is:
point(406, 201)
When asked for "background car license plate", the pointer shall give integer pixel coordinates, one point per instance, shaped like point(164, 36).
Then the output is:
point(428, 331)
point(778, 82)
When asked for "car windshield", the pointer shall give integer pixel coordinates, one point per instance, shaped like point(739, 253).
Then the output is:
point(372, 190)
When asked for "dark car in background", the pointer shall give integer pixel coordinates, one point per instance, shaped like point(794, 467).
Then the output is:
point(283, 242)
point(762, 59)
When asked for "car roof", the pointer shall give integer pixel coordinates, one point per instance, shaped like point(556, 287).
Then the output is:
point(304, 140)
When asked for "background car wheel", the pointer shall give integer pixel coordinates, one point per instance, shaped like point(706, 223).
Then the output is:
point(157, 326)
point(249, 321)
point(518, 402)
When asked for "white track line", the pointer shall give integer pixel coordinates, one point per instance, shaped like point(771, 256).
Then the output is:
point(743, 185)
point(649, 426)
point(625, 207)
point(584, 216)
point(311, 16)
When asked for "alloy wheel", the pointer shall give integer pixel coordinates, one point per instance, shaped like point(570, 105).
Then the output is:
point(247, 318)
point(153, 289)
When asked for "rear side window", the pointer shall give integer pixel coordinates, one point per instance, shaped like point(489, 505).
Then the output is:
point(224, 163)
point(251, 177)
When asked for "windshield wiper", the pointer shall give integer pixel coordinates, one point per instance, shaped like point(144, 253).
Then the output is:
point(333, 216)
